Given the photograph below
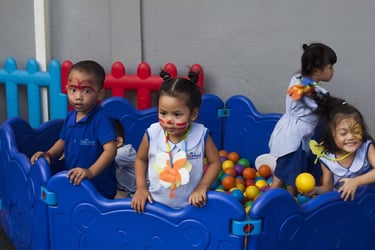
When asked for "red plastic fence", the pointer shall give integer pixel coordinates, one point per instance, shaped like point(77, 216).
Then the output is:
point(143, 83)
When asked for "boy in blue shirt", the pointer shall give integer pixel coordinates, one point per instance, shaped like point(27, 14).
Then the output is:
point(87, 139)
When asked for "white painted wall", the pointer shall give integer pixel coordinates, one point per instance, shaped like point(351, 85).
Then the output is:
point(246, 47)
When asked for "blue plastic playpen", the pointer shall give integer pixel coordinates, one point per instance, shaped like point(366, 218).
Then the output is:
point(40, 209)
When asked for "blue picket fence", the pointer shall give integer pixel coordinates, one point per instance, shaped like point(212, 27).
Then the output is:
point(34, 80)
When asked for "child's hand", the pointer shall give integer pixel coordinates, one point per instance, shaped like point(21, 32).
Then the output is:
point(198, 197)
point(348, 189)
point(139, 200)
point(39, 154)
point(76, 175)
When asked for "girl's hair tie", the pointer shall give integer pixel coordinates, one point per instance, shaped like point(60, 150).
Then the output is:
point(165, 75)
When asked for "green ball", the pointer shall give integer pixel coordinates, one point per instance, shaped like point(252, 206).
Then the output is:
point(244, 162)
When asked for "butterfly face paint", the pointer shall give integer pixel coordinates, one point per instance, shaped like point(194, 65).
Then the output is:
point(351, 127)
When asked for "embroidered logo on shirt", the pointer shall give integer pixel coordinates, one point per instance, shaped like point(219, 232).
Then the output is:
point(194, 156)
point(87, 142)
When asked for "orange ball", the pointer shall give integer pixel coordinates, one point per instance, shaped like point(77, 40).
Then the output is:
point(264, 171)
point(230, 171)
point(223, 153)
point(233, 156)
point(249, 173)
point(228, 182)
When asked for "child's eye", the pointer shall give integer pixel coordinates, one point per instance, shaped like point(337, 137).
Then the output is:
point(71, 89)
point(86, 91)
point(162, 113)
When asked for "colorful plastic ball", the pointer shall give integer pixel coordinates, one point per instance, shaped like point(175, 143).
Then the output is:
point(240, 186)
point(233, 156)
point(227, 164)
point(265, 171)
point(239, 168)
point(302, 198)
point(223, 152)
point(265, 188)
point(240, 179)
point(223, 158)
point(249, 173)
point(244, 162)
point(214, 185)
point(223, 176)
point(249, 182)
point(258, 177)
point(247, 206)
point(261, 183)
point(238, 194)
point(228, 182)
point(305, 182)
point(220, 188)
point(251, 192)
point(230, 171)
point(269, 180)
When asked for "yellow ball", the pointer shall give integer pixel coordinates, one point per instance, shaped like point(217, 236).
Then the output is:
point(261, 183)
point(251, 192)
point(305, 182)
point(227, 164)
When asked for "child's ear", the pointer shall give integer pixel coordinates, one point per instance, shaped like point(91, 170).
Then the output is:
point(194, 114)
point(101, 94)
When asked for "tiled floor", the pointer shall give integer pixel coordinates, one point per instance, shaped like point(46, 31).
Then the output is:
point(4, 242)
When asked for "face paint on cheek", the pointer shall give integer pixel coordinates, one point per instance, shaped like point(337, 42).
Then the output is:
point(357, 131)
point(182, 125)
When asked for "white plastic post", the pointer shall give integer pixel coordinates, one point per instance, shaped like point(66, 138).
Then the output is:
point(42, 45)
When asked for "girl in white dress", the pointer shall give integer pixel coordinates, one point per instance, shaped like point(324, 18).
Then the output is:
point(347, 153)
point(289, 141)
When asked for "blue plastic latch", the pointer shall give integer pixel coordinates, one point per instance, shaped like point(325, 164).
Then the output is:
point(247, 227)
point(224, 112)
point(47, 196)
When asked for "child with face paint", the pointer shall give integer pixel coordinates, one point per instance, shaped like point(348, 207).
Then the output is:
point(171, 154)
point(87, 139)
point(347, 153)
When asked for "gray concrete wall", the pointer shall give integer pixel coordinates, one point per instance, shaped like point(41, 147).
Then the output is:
point(246, 47)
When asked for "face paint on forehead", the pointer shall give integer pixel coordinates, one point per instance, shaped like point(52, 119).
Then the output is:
point(76, 83)
point(353, 127)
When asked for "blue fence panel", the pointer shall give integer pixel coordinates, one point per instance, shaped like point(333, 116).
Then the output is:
point(33, 79)
point(23, 215)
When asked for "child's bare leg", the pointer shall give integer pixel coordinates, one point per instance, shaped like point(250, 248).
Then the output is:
point(276, 182)
point(292, 190)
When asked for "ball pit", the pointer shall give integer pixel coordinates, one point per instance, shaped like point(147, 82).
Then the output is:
point(240, 179)
point(247, 183)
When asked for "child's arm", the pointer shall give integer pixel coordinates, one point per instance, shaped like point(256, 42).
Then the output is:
point(76, 175)
point(54, 151)
point(350, 186)
point(140, 166)
point(326, 182)
point(198, 196)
